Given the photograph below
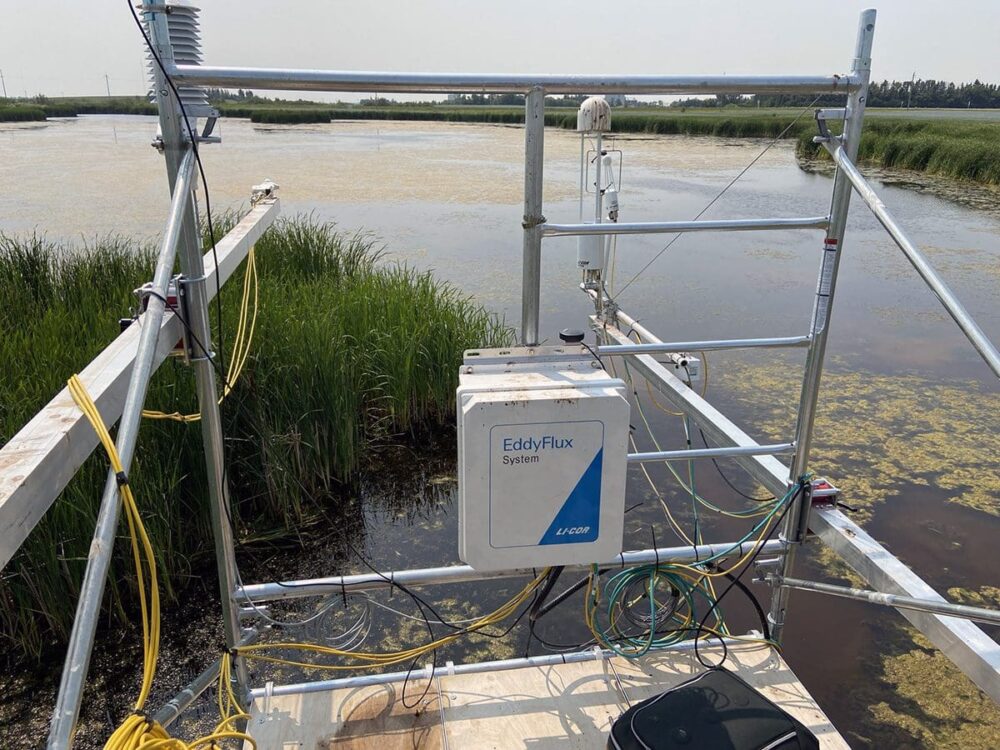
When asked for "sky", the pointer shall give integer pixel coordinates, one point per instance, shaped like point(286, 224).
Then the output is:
point(64, 48)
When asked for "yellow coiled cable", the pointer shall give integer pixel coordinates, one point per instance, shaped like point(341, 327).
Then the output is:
point(138, 732)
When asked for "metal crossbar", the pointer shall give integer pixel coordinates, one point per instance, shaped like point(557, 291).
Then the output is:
point(619, 350)
point(276, 79)
point(987, 350)
point(675, 227)
point(340, 585)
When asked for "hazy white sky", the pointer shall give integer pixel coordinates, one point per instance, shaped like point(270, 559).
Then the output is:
point(66, 48)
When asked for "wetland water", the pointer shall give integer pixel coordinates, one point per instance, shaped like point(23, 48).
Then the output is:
point(910, 419)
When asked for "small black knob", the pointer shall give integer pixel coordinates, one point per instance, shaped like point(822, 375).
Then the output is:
point(571, 335)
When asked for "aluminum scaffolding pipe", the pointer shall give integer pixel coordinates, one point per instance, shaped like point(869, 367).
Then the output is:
point(263, 592)
point(175, 133)
point(962, 611)
point(453, 83)
point(687, 455)
point(88, 606)
point(930, 276)
point(534, 162)
point(612, 350)
point(677, 227)
point(502, 665)
point(173, 708)
point(797, 521)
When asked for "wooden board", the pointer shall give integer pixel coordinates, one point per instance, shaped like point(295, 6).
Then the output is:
point(536, 708)
point(40, 460)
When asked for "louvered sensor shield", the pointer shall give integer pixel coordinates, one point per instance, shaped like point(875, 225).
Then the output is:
point(185, 39)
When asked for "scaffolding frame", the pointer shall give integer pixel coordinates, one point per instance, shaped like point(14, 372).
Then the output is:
point(946, 625)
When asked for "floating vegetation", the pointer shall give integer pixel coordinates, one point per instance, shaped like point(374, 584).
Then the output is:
point(932, 701)
point(350, 352)
point(876, 433)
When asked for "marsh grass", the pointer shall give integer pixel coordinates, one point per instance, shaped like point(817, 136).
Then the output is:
point(21, 113)
point(960, 150)
point(351, 351)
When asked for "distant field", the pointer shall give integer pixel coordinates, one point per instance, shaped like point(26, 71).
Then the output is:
point(958, 143)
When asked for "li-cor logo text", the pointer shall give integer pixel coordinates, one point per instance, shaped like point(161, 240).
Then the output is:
point(529, 447)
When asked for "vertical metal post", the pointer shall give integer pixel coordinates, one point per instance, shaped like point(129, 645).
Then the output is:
point(797, 519)
point(534, 155)
point(88, 606)
point(175, 137)
point(597, 182)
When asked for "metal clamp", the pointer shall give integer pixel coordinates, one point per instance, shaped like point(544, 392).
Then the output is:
point(766, 570)
point(267, 189)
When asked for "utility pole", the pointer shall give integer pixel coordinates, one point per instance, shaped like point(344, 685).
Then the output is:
point(4, 84)
point(909, 96)
point(107, 84)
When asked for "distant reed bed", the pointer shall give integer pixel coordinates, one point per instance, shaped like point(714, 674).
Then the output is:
point(21, 113)
point(350, 351)
point(961, 150)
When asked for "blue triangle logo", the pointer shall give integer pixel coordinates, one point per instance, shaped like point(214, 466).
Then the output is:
point(579, 518)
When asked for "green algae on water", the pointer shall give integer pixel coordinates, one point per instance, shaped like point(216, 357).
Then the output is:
point(875, 433)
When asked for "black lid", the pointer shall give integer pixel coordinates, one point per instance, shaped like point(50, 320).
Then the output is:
point(571, 335)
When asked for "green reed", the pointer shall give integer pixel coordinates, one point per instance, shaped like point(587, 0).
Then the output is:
point(350, 351)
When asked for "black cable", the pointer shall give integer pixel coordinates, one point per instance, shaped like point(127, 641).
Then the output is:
point(725, 479)
point(201, 171)
point(194, 337)
point(550, 581)
point(597, 356)
point(721, 192)
point(566, 594)
point(765, 626)
point(734, 581)
point(220, 365)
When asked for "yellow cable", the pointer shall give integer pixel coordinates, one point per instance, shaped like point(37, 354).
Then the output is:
point(391, 657)
point(241, 343)
point(137, 732)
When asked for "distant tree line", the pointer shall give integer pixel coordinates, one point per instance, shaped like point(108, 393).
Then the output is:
point(920, 93)
point(226, 95)
point(513, 100)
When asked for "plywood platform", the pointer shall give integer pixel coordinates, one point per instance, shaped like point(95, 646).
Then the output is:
point(538, 708)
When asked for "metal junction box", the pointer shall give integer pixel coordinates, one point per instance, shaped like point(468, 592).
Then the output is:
point(542, 444)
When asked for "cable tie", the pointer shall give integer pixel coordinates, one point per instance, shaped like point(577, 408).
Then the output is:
point(121, 478)
point(343, 591)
